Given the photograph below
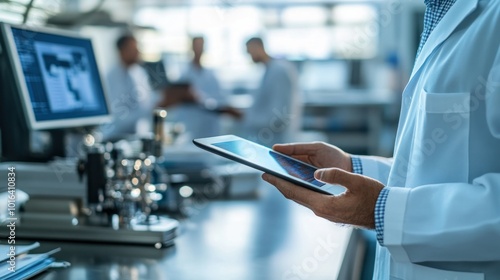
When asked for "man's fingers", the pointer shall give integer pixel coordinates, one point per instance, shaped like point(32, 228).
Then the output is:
point(287, 149)
point(302, 158)
point(291, 191)
point(298, 148)
point(282, 185)
point(336, 176)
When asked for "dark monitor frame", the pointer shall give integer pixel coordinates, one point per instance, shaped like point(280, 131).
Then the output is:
point(10, 52)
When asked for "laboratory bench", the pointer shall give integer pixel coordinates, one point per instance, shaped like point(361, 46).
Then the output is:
point(268, 237)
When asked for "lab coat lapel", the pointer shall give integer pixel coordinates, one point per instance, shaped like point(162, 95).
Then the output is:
point(457, 13)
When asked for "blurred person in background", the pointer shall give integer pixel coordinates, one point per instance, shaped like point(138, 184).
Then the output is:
point(129, 94)
point(275, 115)
point(131, 98)
point(202, 118)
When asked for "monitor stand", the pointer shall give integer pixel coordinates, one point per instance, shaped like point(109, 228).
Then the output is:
point(22, 145)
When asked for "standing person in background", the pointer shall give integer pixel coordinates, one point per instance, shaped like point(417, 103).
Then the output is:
point(202, 118)
point(275, 115)
point(130, 97)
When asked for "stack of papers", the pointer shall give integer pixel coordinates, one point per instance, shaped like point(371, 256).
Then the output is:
point(21, 265)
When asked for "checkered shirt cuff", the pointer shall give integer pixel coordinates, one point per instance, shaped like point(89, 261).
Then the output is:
point(357, 166)
point(379, 215)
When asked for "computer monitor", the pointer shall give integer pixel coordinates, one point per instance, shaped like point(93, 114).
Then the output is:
point(57, 77)
point(49, 82)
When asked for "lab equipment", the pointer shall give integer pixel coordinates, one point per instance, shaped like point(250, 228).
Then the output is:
point(52, 85)
point(159, 117)
point(117, 205)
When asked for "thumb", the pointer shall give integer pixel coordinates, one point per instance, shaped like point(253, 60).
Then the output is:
point(337, 176)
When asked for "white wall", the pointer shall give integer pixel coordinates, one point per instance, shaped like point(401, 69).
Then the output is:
point(103, 40)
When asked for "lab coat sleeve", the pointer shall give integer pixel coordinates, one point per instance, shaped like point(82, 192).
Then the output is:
point(493, 98)
point(377, 168)
point(444, 222)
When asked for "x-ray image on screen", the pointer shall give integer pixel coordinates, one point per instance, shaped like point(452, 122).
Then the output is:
point(67, 77)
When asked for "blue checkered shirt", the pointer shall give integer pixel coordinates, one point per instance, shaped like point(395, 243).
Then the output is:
point(436, 9)
point(357, 167)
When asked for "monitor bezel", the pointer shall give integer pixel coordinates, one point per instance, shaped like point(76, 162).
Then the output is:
point(21, 86)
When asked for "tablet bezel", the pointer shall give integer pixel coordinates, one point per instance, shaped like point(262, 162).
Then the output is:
point(207, 144)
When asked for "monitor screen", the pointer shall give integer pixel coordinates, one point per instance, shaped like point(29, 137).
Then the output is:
point(57, 77)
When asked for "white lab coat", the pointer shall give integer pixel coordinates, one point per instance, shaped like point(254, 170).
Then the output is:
point(442, 217)
point(131, 101)
point(198, 121)
point(275, 115)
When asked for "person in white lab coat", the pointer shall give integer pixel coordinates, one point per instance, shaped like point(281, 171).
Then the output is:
point(436, 205)
point(203, 117)
point(275, 114)
point(130, 95)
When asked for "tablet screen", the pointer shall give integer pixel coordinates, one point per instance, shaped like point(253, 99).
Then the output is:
point(271, 160)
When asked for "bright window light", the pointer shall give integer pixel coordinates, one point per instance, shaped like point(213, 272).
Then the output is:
point(354, 13)
point(151, 45)
point(203, 19)
point(300, 43)
point(172, 19)
point(354, 42)
point(304, 15)
point(244, 19)
point(271, 17)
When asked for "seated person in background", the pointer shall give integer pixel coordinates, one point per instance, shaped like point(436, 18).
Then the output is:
point(275, 114)
point(202, 118)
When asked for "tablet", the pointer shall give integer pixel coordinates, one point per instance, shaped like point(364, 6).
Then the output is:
point(267, 160)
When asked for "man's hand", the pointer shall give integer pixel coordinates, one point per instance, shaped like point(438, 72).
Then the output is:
point(177, 95)
point(319, 154)
point(232, 112)
point(355, 207)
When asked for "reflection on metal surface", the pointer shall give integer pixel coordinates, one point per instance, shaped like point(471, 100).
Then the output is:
point(246, 239)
